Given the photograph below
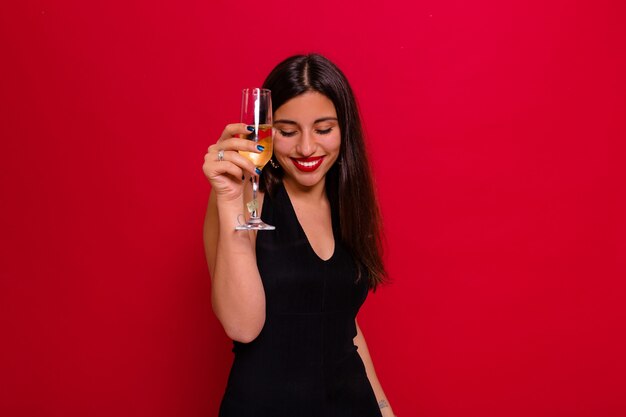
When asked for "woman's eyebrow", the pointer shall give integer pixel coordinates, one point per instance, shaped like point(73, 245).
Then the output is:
point(284, 121)
point(325, 119)
point(291, 122)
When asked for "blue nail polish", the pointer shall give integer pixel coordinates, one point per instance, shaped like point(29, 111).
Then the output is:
point(250, 128)
point(258, 171)
point(260, 147)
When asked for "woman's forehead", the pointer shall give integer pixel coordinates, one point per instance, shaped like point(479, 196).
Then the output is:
point(308, 108)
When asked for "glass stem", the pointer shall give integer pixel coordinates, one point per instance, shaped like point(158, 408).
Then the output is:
point(255, 188)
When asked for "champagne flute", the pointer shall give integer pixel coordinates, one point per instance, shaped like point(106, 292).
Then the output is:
point(256, 111)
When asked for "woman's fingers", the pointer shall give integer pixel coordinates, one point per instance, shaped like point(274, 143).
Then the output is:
point(235, 144)
point(224, 157)
point(213, 169)
point(226, 168)
point(234, 129)
point(232, 158)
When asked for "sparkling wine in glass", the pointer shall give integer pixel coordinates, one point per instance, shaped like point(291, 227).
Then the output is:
point(256, 111)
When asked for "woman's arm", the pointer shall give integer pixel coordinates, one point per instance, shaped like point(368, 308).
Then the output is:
point(237, 293)
point(359, 341)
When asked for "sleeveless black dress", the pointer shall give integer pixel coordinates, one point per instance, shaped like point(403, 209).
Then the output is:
point(304, 362)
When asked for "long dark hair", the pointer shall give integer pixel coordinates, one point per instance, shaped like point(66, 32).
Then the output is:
point(349, 184)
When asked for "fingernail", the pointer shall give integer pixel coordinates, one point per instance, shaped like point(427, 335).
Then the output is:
point(250, 128)
point(258, 171)
point(260, 147)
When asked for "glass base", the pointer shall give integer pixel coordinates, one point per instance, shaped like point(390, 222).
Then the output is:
point(255, 224)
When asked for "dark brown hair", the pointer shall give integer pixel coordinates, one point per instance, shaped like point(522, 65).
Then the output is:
point(349, 184)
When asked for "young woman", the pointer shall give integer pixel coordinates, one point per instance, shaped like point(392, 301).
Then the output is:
point(289, 297)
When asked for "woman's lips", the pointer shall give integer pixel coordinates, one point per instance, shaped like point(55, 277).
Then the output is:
point(309, 164)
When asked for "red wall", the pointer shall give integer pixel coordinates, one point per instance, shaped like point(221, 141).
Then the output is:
point(496, 130)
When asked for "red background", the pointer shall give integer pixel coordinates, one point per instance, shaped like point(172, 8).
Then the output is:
point(495, 129)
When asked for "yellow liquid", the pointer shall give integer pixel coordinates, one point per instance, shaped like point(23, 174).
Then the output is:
point(265, 140)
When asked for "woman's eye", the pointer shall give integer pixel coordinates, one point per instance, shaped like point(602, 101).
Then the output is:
point(325, 131)
point(287, 134)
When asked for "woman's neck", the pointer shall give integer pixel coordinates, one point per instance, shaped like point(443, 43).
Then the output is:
point(316, 193)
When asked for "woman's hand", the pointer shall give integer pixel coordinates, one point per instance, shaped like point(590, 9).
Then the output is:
point(226, 175)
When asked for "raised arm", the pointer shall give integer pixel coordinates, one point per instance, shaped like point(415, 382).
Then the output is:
point(359, 341)
point(237, 292)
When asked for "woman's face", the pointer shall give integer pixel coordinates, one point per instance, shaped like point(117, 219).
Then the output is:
point(307, 138)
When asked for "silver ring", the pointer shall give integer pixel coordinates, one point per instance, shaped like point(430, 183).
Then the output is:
point(220, 155)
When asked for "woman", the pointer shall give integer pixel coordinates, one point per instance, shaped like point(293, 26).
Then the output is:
point(289, 297)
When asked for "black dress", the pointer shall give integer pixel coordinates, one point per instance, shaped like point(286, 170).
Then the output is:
point(304, 362)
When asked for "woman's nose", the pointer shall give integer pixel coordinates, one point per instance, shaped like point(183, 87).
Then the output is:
point(306, 146)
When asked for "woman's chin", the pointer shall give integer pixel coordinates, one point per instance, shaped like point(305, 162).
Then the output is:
point(305, 180)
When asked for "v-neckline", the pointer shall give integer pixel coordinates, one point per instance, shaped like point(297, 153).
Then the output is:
point(332, 226)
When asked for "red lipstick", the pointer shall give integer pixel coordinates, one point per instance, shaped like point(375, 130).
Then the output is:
point(309, 164)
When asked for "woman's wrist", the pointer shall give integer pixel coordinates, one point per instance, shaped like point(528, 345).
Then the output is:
point(225, 203)
point(230, 212)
